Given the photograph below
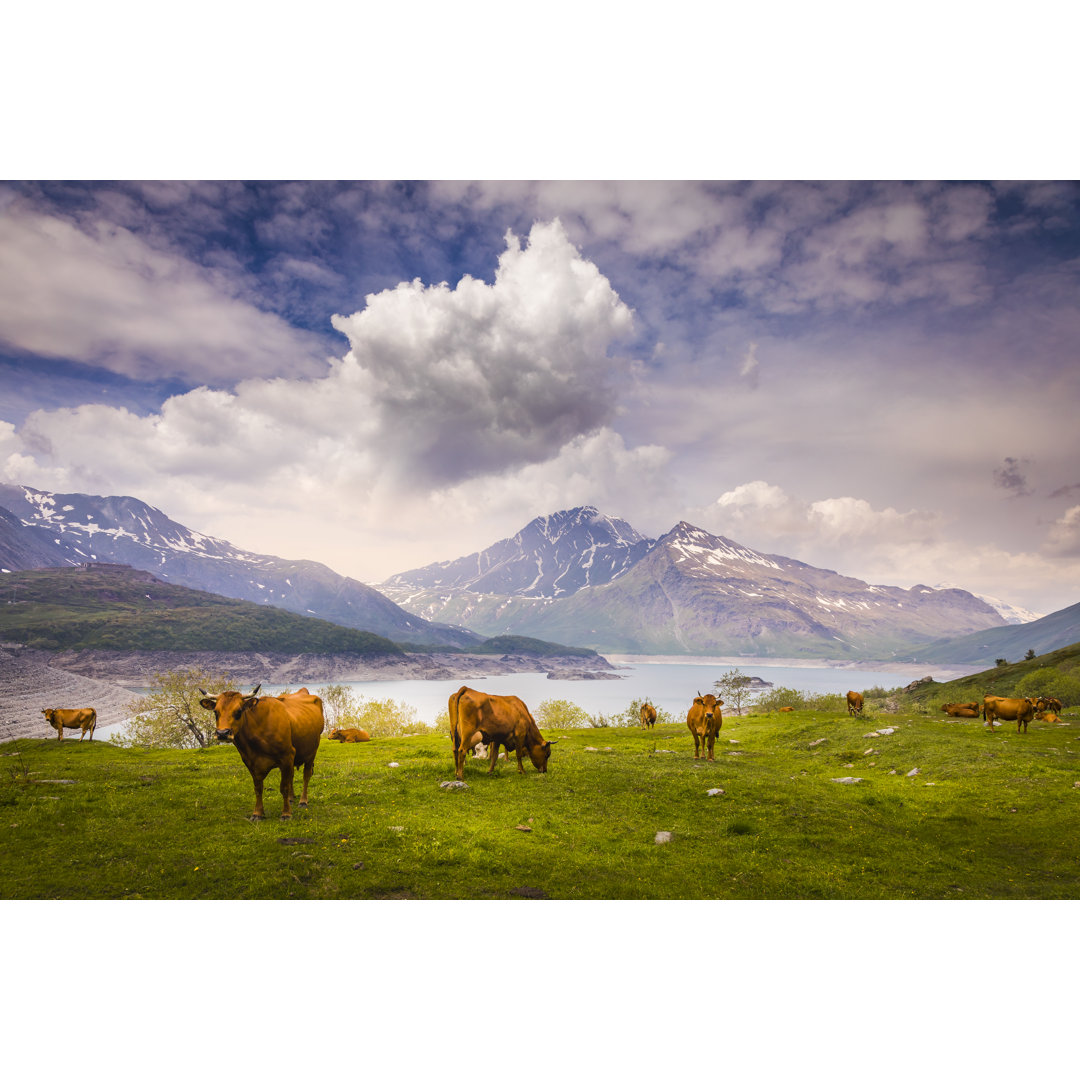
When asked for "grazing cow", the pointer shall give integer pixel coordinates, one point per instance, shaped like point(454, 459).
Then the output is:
point(1049, 704)
point(1022, 710)
point(704, 721)
point(271, 733)
point(349, 734)
point(854, 703)
point(494, 720)
point(85, 719)
point(968, 709)
point(648, 715)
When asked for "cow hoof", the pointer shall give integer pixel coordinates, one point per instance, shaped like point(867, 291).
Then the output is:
point(286, 817)
point(257, 817)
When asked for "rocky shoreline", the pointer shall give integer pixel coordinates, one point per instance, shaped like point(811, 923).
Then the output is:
point(31, 680)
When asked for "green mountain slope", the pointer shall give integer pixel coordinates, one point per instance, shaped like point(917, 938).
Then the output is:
point(1052, 631)
point(118, 608)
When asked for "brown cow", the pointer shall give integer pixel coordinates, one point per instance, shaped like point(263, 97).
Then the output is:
point(854, 703)
point(271, 733)
point(966, 708)
point(704, 721)
point(787, 708)
point(494, 719)
point(648, 715)
point(1002, 708)
point(85, 719)
point(349, 734)
point(1047, 717)
point(1049, 704)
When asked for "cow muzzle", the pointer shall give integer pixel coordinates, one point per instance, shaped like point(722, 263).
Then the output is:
point(224, 734)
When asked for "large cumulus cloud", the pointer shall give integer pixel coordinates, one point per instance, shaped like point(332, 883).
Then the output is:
point(441, 387)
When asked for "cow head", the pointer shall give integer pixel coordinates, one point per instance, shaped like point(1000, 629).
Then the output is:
point(49, 717)
point(539, 753)
point(229, 708)
point(710, 703)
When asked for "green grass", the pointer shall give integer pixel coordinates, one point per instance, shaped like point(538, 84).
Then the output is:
point(988, 816)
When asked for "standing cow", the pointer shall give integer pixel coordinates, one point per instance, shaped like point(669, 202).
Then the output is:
point(1022, 710)
point(494, 719)
point(854, 703)
point(271, 733)
point(84, 719)
point(704, 721)
point(648, 715)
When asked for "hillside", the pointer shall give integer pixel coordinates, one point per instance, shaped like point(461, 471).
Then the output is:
point(119, 608)
point(1053, 631)
point(41, 528)
point(695, 593)
point(1003, 680)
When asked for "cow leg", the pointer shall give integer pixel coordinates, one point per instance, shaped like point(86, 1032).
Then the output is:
point(521, 768)
point(712, 739)
point(493, 753)
point(459, 761)
point(257, 779)
point(60, 733)
point(309, 768)
point(286, 789)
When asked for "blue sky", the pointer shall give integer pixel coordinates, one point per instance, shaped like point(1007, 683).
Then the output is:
point(878, 378)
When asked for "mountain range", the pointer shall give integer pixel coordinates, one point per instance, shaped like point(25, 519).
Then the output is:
point(577, 577)
point(582, 578)
point(40, 528)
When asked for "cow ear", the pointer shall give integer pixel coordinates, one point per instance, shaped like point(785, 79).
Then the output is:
point(207, 702)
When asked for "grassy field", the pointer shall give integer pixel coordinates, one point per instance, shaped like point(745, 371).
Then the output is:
point(986, 816)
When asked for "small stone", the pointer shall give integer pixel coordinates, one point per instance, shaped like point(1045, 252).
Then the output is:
point(735, 741)
point(872, 750)
point(872, 735)
point(892, 772)
point(454, 785)
point(523, 828)
point(817, 742)
point(847, 779)
point(358, 866)
point(715, 791)
point(914, 772)
point(396, 828)
point(663, 838)
point(886, 730)
point(1076, 783)
point(594, 749)
point(393, 765)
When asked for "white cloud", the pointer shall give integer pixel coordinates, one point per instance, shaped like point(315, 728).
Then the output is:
point(105, 297)
point(1063, 536)
point(503, 388)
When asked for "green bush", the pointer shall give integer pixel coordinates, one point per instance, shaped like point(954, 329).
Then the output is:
point(557, 713)
point(780, 697)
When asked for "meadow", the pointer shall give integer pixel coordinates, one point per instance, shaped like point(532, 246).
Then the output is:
point(987, 815)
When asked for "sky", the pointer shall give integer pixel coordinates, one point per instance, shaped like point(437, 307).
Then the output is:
point(878, 378)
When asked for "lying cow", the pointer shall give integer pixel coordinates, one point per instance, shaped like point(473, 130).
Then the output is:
point(349, 734)
point(1022, 710)
point(854, 703)
point(967, 709)
point(704, 721)
point(84, 719)
point(271, 733)
point(494, 720)
point(1047, 717)
point(648, 715)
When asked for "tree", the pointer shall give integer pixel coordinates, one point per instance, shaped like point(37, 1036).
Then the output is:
point(1001, 661)
point(735, 689)
point(1030, 654)
point(170, 715)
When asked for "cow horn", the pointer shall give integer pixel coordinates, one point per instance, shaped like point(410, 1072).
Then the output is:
point(255, 692)
point(203, 693)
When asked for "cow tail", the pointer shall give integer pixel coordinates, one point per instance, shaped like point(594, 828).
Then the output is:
point(93, 721)
point(455, 732)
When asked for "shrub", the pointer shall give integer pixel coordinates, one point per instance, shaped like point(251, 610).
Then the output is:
point(780, 697)
point(1049, 682)
point(170, 716)
point(384, 718)
point(557, 713)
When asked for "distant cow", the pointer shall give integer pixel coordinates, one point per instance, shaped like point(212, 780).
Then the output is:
point(1047, 717)
point(967, 709)
point(854, 703)
point(1049, 704)
point(787, 708)
point(349, 734)
point(704, 721)
point(1022, 710)
point(648, 715)
point(271, 733)
point(494, 719)
point(85, 719)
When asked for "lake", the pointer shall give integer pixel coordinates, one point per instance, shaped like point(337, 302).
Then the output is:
point(670, 683)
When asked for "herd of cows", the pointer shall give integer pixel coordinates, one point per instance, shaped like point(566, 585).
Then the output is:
point(284, 732)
